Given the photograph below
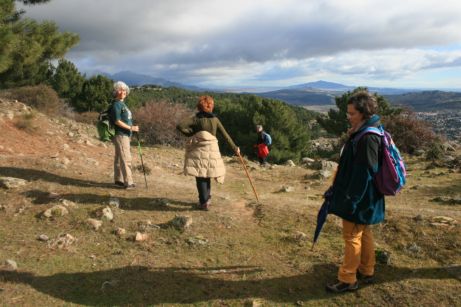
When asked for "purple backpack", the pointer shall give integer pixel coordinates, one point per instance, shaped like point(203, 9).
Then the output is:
point(390, 178)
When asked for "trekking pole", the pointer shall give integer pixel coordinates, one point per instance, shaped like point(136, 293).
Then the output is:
point(142, 162)
point(248, 175)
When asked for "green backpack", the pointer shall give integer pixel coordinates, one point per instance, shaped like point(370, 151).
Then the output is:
point(105, 125)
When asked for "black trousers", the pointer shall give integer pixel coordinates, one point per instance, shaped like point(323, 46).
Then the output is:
point(203, 188)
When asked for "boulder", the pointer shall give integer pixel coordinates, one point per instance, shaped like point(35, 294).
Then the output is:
point(56, 210)
point(94, 223)
point(11, 182)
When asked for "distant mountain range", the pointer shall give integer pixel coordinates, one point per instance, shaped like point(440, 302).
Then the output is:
point(320, 94)
point(135, 79)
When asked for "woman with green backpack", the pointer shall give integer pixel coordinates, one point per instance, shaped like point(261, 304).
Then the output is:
point(124, 128)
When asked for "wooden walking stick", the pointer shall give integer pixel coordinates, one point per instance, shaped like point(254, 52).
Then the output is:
point(248, 175)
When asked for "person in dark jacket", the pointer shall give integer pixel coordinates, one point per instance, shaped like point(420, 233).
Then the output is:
point(355, 198)
point(262, 145)
point(203, 159)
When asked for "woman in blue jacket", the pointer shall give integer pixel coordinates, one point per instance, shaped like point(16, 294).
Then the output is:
point(355, 198)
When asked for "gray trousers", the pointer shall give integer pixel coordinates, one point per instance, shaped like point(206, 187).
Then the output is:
point(122, 160)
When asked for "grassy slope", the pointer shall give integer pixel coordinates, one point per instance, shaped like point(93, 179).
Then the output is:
point(250, 256)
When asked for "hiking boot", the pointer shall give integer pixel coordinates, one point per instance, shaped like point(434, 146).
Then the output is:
point(205, 206)
point(366, 279)
point(340, 287)
point(130, 186)
point(119, 184)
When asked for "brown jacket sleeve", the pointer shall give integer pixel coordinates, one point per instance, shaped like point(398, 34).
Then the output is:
point(226, 135)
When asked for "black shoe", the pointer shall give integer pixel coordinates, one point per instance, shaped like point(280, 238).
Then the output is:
point(366, 279)
point(340, 286)
point(119, 184)
point(130, 187)
point(205, 206)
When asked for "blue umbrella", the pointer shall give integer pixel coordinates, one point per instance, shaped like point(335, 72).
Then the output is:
point(322, 215)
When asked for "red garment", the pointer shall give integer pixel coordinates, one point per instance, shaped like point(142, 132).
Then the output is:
point(263, 150)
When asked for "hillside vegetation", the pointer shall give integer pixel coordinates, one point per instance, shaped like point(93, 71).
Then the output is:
point(158, 250)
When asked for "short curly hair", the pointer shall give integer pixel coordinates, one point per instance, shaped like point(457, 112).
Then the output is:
point(365, 103)
point(205, 103)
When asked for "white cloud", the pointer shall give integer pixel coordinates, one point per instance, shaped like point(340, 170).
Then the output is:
point(207, 41)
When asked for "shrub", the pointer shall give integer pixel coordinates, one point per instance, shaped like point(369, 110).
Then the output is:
point(158, 120)
point(41, 97)
point(435, 152)
point(87, 117)
point(26, 122)
point(408, 132)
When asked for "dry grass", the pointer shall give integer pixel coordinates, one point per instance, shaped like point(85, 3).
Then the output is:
point(249, 255)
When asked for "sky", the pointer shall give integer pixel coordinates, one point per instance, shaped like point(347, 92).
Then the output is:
point(267, 43)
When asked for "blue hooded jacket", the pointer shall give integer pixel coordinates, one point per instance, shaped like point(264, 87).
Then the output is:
point(354, 195)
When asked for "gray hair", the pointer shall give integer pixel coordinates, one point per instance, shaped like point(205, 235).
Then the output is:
point(121, 85)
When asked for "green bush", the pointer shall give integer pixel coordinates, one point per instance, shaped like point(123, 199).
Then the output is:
point(435, 151)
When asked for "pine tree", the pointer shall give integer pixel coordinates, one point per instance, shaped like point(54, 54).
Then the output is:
point(67, 80)
point(336, 121)
point(96, 94)
point(28, 47)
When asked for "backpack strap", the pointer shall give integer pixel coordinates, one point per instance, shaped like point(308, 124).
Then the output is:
point(368, 130)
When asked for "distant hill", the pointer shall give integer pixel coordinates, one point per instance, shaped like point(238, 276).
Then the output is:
point(322, 85)
point(302, 97)
point(428, 100)
point(322, 93)
point(135, 79)
point(337, 87)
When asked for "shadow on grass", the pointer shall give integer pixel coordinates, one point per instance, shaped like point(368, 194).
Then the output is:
point(137, 203)
point(33, 174)
point(138, 285)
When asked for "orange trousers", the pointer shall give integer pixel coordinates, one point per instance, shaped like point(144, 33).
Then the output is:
point(359, 252)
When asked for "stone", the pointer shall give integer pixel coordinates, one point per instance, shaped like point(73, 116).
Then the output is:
point(10, 265)
point(120, 232)
point(414, 248)
point(197, 240)
point(287, 189)
point(62, 242)
point(104, 214)
point(109, 284)
point(65, 147)
point(140, 237)
point(307, 160)
point(68, 204)
point(299, 236)
point(114, 202)
point(181, 222)
point(383, 257)
point(444, 220)
point(43, 238)
point(107, 214)
point(94, 223)
point(56, 210)
point(11, 182)
point(290, 163)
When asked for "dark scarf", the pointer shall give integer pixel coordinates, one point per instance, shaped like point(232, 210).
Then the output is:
point(203, 114)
